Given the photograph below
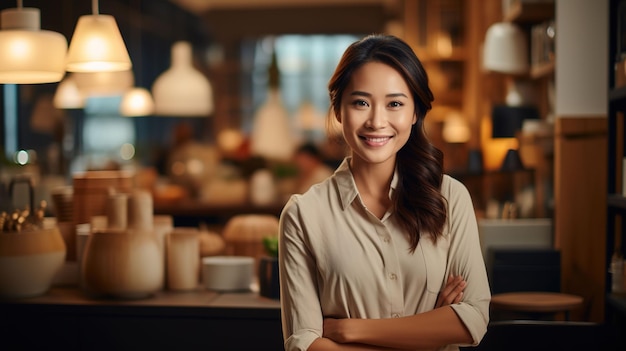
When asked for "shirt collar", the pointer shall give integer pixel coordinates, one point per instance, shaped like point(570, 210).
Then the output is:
point(347, 187)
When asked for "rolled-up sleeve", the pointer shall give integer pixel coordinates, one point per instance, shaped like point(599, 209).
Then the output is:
point(302, 319)
point(466, 259)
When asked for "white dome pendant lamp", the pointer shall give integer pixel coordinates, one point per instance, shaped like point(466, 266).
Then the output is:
point(29, 55)
point(506, 51)
point(182, 90)
point(97, 45)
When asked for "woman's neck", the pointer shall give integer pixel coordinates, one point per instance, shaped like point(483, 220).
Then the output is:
point(373, 182)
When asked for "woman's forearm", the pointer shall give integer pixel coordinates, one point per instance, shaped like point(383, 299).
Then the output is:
point(426, 330)
point(325, 344)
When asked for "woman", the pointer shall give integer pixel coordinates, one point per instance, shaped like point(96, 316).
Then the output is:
point(384, 254)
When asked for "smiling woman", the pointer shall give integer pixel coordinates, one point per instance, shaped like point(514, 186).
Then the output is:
point(384, 252)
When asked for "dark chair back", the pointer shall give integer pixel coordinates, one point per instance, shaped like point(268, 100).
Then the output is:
point(527, 335)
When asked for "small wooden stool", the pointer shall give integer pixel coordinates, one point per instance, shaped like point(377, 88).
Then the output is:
point(536, 303)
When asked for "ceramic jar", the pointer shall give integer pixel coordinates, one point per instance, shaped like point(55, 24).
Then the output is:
point(183, 259)
point(29, 261)
point(122, 263)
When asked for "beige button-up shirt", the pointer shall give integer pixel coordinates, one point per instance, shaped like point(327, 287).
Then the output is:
point(339, 260)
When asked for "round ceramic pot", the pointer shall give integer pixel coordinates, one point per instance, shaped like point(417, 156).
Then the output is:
point(29, 261)
point(125, 264)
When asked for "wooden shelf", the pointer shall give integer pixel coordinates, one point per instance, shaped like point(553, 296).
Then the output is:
point(530, 12)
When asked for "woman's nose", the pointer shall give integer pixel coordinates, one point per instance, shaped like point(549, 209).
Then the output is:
point(377, 118)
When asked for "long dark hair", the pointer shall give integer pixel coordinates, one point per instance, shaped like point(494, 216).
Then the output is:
point(418, 202)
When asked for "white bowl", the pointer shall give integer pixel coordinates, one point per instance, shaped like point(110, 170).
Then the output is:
point(227, 273)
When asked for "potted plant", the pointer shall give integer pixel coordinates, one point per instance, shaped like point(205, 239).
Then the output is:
point(268, 269)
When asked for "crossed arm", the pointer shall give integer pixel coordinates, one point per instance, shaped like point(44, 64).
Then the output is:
point(427, 330)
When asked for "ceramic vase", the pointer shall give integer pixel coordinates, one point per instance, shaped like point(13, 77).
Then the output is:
point(29, 261)
point(126, 264)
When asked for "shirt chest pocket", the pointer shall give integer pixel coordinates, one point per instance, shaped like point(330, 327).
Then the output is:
point(435, 261)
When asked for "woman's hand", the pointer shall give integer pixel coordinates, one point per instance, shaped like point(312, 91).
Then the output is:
point(334, 329)
point(453, 291)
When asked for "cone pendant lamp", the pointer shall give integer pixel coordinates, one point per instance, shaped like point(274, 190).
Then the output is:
point(97, 45)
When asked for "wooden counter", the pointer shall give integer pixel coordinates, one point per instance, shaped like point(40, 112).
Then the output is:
point(67, 319)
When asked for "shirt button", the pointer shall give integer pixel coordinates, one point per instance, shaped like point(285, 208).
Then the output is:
point(387, 239)
point(395, 315)
point(392, 276)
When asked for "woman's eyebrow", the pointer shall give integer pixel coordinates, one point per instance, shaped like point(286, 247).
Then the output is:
point(362, 93)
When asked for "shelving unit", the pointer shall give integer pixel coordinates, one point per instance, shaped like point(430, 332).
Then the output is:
point(616, 201)
point(527, 14)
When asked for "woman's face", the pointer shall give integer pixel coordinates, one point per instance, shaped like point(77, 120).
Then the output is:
point(377, 113)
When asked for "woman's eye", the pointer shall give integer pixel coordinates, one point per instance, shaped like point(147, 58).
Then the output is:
point(395, 104)
point(360, 103)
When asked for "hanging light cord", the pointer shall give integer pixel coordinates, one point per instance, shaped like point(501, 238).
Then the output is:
point(19, 4)
point(94, 7)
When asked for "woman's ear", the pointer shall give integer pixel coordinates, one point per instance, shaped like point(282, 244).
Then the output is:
point(414, 118)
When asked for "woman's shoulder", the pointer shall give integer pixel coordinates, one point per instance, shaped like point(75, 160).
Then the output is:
point(452, 187)
point(312, 196)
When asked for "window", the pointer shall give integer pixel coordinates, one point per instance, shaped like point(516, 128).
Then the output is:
point(305, 64)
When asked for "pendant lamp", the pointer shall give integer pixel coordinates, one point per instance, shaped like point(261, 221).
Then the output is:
point(104, 83)
point(272, 136)
point(67, 96)
point(97, 45)
point(137, 102)
point(182, 90)
point(29, 55)
point(506, 51)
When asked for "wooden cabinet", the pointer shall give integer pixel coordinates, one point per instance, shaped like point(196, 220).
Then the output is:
point(616, 199)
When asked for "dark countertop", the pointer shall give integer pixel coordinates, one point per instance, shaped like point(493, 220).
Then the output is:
point(199, 319)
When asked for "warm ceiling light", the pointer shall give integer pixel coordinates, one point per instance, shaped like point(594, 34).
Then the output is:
point(137, 102)
point(104, 83)
point(182, 90)
point(97, 45)
point(67, 95)
point(29, 55)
